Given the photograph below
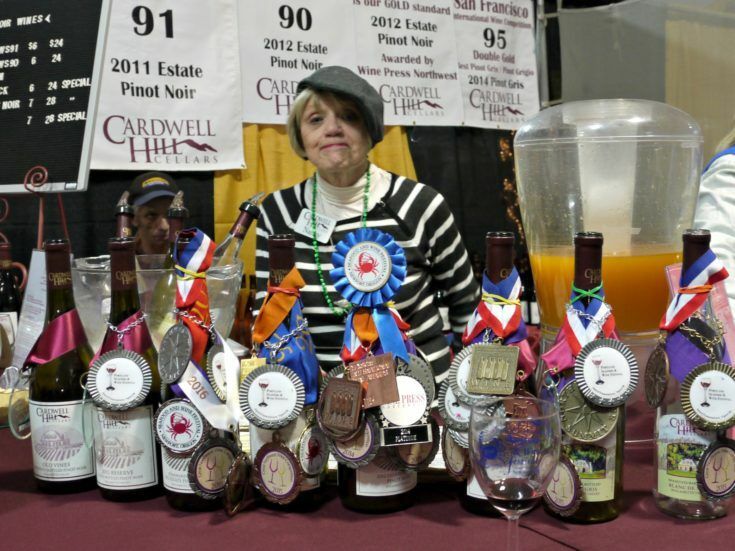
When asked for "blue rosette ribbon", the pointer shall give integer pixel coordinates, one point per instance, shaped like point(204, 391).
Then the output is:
point(369, 268)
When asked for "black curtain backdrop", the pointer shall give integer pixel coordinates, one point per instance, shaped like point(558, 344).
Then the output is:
point(474, 170)
point(90, 214)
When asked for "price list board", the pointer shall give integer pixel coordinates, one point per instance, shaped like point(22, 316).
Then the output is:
point(48, 81)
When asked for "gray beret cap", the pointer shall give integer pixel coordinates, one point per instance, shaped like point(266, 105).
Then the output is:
point(342, 81)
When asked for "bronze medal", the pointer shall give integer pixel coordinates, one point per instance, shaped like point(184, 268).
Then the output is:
point(564, 492)
point(580, 419)
point(493, 369)
point(456, 458)
point(312, 450)
point(339, 410)
point(708, 396)
point(378, 374)
point(210, 465)
point(657, 376)
point(716, 470)
point(277, 473)
point(238, 490)
point(362, 448)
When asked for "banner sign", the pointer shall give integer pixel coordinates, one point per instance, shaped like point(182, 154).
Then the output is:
point(497, 62)
point(170, 95)
point(407, 52)
point(281, 43)
point(444, 62)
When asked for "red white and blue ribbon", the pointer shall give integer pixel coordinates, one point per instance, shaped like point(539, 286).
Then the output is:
point(694, 287)
point(581, 326)
point(499, 315)
point(374, 299)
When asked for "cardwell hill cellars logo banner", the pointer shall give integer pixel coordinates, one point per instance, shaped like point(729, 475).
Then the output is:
point(170, 96)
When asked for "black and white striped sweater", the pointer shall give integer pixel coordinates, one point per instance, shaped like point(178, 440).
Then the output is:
point(420, 221)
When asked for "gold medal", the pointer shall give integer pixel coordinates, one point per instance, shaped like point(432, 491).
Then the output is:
point(580, 419)
point(657, 376)
point(493, 369)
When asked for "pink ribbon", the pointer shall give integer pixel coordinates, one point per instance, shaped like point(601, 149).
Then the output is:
point(526, 360)
point(60, 336)
point(138, 339)
point(561, 356)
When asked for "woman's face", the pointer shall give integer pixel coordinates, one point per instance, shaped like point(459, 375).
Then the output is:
point(334, 136)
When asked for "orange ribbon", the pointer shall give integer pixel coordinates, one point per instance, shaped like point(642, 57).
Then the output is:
point(696, 290)
point(364, 327)
point(277, 305)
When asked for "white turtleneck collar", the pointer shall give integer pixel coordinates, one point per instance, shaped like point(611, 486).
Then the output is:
point(341, 203)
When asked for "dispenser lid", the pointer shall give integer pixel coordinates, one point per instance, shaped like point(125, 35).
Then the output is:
point(609, 119)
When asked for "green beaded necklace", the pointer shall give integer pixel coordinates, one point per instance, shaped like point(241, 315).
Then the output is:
point(340, 312)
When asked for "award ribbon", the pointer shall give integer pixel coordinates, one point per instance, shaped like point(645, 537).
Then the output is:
point(136, 338)
point(369, 268)
point(297, 353)
point(694, 287)
point(499, 316)
point(60, 336)
point(580, 327)
point(192, 299)
point(362, 334)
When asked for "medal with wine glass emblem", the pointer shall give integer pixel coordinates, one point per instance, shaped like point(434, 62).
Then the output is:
point(362, 448)
point(456, 458)
point(209, 466)
point(272, 396)
point(277, 472)
point(455, 414)
point(716, 470)
point(119, 380)
point(708, 396)
point(216, 370)
point(564, 492)
point(606, 372)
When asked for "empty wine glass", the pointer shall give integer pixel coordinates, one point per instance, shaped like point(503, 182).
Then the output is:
point(514, 448)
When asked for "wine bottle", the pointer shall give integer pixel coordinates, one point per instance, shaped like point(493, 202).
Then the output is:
point(602, 496)
point(228, 250)
point(242, 329)
point(281, 261)
point(61, 461)
point(10, 302)
point(499, 257)
point(675, 489)
point(178, 490)
point(377, 487)
point(128, 460)
point(124, 213)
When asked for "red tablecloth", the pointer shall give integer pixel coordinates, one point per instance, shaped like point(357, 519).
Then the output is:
point(30, 520)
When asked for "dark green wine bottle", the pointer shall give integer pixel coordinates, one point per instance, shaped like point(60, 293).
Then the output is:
point(62, 463)
point(129, 465)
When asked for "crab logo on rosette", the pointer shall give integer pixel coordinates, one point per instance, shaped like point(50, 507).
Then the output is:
point(369, 268)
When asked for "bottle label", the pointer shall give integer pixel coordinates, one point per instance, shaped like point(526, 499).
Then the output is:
point(59, 452)
point(375, 481)
point(126, 449)
point(679, 446)
point(595, 465)
point(176, 472)
point(473, 487)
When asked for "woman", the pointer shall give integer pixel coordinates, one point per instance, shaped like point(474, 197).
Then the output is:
point(716, 207)
point(335, 121)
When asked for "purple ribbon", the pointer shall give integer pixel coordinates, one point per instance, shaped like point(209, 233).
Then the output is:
point(60, 336)
point(684, 356)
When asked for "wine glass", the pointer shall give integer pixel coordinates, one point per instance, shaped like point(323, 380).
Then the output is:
point(705, 385)
point(597, 363)
point(110, 372)
point(263, 385)
point(514, 448)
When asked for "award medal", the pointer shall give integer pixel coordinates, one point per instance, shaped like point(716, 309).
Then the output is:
point(238, 491)
point(606, 372)
point(174, 353)
point(362, 448)
point(708, 396)
point(210, 465)
point(462, 438)
point(420, 370)
point(416, 457)
point(456, 458)
point(582, 420)
point(493, 369)
point(272, 396)
point(564, 492)
point(378, 375)
point(657, 376)
point(405, 421)
point(216, 370)
point(277, 473)
point(179, 426)
point(459, 374)
point(339, 410)
point(716, 470)
point(455, 414)
point(312, 450)
point(119, 380)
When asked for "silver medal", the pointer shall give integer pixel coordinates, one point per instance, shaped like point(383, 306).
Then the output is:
point(174, 353)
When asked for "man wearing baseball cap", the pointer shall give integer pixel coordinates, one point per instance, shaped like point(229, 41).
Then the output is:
point(151, 194)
